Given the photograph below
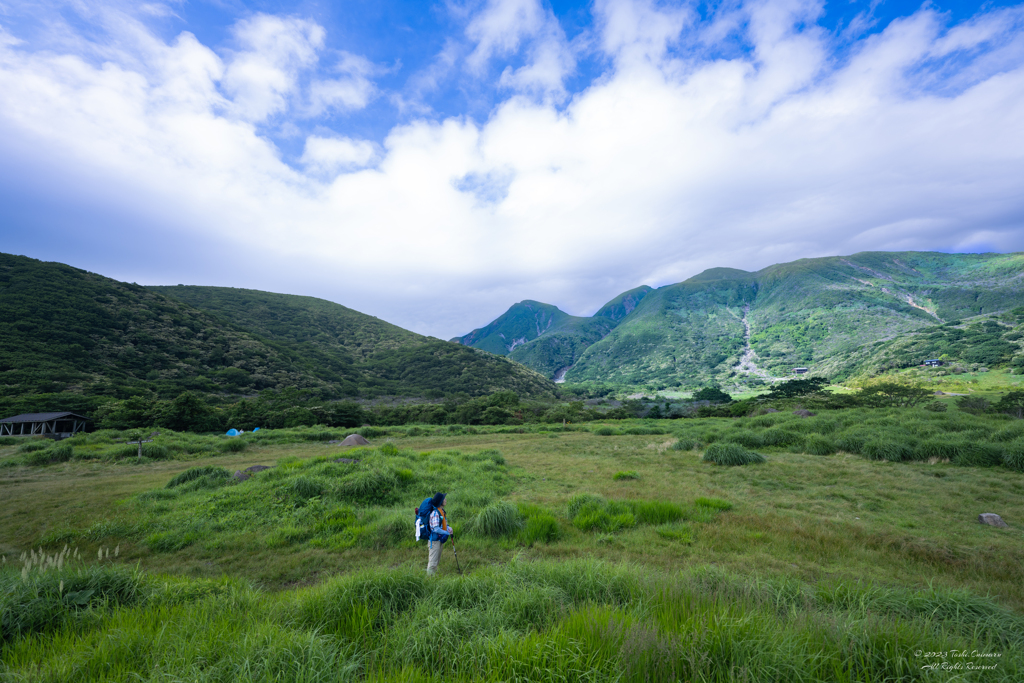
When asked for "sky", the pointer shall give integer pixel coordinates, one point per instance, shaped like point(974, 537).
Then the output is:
point(432, 163)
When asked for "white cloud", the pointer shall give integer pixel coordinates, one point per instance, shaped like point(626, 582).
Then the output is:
point(264, 73)
point(663, 166)
point(330, 155)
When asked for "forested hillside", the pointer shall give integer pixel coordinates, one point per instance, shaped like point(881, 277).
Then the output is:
point(70, 339)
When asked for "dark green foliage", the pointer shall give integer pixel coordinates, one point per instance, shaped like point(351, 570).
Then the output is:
point(541, 527)
point(498, 520)
point(731, 454)
point(686, 444)
point(194, 473)
point(628, 474)
point(369, 487)
point(1012, 404)
point(607, 431)
point(30, 446)
point(887, 394)
point(713, 394)
point(795, 388)
point(936, 407)
point(972, 404)
point(369, 432)
point(304, 488)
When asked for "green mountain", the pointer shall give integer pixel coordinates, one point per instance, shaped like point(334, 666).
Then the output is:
point(390, 359)
point(70, 339)
point(547, 339)
point(832, 315)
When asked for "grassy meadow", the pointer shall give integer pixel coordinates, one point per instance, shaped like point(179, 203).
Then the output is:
point(592, 552)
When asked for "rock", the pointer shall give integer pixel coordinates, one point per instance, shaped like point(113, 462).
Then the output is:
point(982, 369)
point(355, 440)
point(940, 393)
point(257, 468)
point(241, 476)
point(803, 412)
point(334, 441)
point(991, 519)
point(347, 461)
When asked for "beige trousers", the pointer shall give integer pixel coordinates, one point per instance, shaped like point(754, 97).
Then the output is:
point(433, 556)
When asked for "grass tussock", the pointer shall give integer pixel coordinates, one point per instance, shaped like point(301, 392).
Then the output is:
point(731, 454)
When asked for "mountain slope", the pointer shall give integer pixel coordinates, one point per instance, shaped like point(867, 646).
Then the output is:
point(67, 333)
point(388, 358)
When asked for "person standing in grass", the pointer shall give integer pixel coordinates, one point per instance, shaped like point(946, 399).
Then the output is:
point(439, 532)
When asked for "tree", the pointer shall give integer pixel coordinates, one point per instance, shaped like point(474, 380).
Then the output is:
point(894, 395)
point(189, 413)
point(712, 394)
point(1012, 404)
point(798, 387)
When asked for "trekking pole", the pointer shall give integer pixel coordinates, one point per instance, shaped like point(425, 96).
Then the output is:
point(456, 553)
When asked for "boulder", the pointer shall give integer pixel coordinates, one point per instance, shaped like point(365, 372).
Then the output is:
point(991, 519)
point(241, 476)
point(355, 440)
point(803, 412)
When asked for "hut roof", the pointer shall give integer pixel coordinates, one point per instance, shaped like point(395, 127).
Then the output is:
point(42, 417)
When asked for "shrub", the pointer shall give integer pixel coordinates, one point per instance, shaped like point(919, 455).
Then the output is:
point(972, 404)
point(194, 473)
point(493, 455)
point(368, 432)
point(606, 431)
point(36, 445)
point(321, 435)
point(940, 449)
point(780, 438)
point(936, 407)
point(656, 512)
point(731, 454)
point(686, 444)
point(819, 445)
point(1014, 431)
point(746, 439)
point(499, 519)
point(851, 442)
point(414, 431)
point(8, 440)
point(232, 446)
point(628, 474)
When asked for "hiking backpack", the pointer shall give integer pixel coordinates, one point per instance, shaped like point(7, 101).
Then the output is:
point(422, 528)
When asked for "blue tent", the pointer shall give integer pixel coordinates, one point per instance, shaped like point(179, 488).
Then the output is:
point(232, 432)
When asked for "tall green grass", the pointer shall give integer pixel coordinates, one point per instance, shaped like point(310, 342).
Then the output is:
point(548, 622)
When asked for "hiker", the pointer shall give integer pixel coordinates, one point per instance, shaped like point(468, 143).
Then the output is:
point(439, 532)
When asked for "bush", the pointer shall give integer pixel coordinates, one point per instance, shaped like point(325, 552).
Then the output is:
point(606, 431)
point(194, 473)
point(8, 440)
point(305, 488)
point(686, 444)
point(819, 445)
point(322, 435)
point(369, 487)
point(232, 446)
point(731, 454)
point(580, 501)
point(628, 474)
point(499, 519)
point(972, 404)
point(851, 442)
point(369, 432)
point(936, 407)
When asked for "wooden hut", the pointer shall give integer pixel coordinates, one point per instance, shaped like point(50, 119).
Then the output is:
point(56, 425)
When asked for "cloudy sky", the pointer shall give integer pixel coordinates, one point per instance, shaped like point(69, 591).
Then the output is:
point(431, 163)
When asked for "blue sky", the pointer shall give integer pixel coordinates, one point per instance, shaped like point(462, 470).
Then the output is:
point(433, 163)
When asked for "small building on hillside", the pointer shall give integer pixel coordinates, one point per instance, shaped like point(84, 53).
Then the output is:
point(55, 425)
point(933, 362)
point(799, 371)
